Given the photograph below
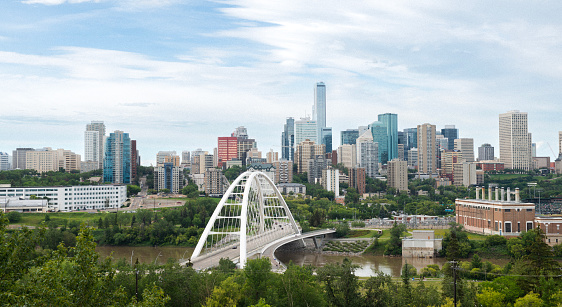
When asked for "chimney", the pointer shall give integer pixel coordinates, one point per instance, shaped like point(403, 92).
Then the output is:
point(497, 193)
point(508, 194)
point(489, 192)
point(517, 199)
point(483, 193)
point(502, 194)
point(477, 192)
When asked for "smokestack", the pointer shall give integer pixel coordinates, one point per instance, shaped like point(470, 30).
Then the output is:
point(477, 192)
point(489, 192)
point(517, 199)
point(497, 193)
point(508, 194)
point(502, 194)
point(483, 193)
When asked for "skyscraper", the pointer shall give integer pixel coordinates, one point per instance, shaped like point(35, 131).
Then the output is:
point(378, 130)
point(349, 136)
point(367, 154)
point(515, 140)
point(288, 140)
point(19, 157)
point(94, 142)
point(4, 161)
point(390, 121)
point(227, 149)
point(117, 160)
point(485, 152)
point(319, 108)
point(466, 146)
point(427, 156)
point(451, 133)
point(327, 139)
point(305, 129)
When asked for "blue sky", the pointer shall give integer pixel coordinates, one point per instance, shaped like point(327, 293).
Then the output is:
point(178, 74)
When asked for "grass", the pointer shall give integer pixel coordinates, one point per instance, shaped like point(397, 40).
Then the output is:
point(35, 219)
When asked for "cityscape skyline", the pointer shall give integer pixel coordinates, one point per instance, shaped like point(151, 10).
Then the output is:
point(176, 75)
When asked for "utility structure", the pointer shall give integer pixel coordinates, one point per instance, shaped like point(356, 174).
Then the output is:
point(250, 216)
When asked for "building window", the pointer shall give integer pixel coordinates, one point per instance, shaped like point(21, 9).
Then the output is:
point(529, 226)
point(529, 210)
point(507, 210)
point(496, 226)
point(507, 226)
point(518, 227)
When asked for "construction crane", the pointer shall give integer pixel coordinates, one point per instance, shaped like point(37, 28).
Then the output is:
point(555, 156)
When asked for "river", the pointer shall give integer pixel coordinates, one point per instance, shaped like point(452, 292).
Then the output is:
point(369, 265)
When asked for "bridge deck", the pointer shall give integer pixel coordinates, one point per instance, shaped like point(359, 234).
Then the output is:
point(265, 251)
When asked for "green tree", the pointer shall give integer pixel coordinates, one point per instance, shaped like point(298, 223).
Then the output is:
point(14, 216)
point(259, 279)
point(132, 190)
point(529, 300)
point(394, 245)
point(298, 287)
point(318, 217)
point(490, 298)
point(341, 284)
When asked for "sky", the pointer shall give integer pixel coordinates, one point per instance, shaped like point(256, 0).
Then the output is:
point(178, 74)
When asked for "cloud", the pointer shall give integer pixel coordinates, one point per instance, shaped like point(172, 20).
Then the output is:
point(57, 2)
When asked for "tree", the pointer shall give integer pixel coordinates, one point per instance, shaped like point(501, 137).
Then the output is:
point(318, 217)
point(394, 245)
point(258, 280)
point(298, 287)
point(529, 300)
point(13, 216)
point(132, 190)
point(341, 284)
point(490, 298)
point(351, 197)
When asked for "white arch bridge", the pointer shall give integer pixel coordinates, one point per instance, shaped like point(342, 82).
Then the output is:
point(252, 218)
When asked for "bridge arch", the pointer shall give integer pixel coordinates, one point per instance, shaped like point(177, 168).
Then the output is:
point(251, 214)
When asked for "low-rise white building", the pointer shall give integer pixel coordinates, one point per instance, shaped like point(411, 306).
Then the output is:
point(422, 244)
point(73, 198)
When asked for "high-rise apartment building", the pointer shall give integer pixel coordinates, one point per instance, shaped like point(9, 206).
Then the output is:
point(117, 159)
point(94, 142)
point(451, 133)
point(227, 149)
point(413, 157)
point(349, 136)
point(327, 139)
point(48, 160)
point(4, 161)
point(559, 142)
point(449, 158)
point(19, 157)
point(464, 174)
point(315, 167)
point(466, 146)
point(271, 156)
point(367, 154)
point(397, 173)
point(283, 171)
point(331, 180)
point(288, 140)
point(378, 130)
point(485, 152)
point(214, 182)
point(135, 160)
point(427, 156)
point(515, 140)
point(347, 155)
point(357, 179)
point(305, 129)
point(169, 176)
point(390, 121)
point(304, 151)
point(240, 132)
point(186, 159)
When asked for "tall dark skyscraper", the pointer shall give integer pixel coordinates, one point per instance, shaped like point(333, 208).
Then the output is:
point(319, 115)
point(349, 136)
point(451, 133)
point(117, 160)
point(288, 140)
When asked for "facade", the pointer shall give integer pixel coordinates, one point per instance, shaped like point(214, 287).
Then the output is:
point(427, 156)
point(390, 121)
point(347, 155)
point(305, 129)
point(306, 150)
point(494, 212)
point(422, 244)
point(319, 111)
point(367, 154)
point(94, 138)
point(272, 156)
point(327, 139)
point(4, 161)
point(487, 166)
point(466, 146)
point(315, 167)
point(295, 188)
point(161, 156)
point(378, 130)
point(357, 179)
point(227, 149)
point(214, 182)
point(515, 141)
point(464, 174)
point(397, 174)
point(283, 171)
point(88, 166)
point(485, 152)
point(288, 140)
point(349, 136)
point(186, 159)
point(169, 176)
point(451, 133)
point(331, 180)
point(448, 160)
point(413, 157)
point(47, 160)
point(559, 142)
point(19, 157)
point(73, 198)
point(267, 168)
point(117, 159)
point(135, 160)
point(245, 145)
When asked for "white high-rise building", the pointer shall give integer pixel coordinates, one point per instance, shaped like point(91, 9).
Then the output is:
point(397, 174)
point(466, 146)
point(94, 140)
point(331, 180)
point(367, 154)
point(515, 140)
point(427, 156)
point(305, 129)
point(347, 155)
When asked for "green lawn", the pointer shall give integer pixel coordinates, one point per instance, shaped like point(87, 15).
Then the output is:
point(35, 219)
